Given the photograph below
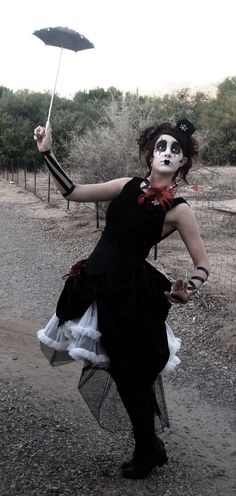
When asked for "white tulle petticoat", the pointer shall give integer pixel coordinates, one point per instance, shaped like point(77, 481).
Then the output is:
point(81, 339)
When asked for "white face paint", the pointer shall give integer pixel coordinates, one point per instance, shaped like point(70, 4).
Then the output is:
point(168, 155)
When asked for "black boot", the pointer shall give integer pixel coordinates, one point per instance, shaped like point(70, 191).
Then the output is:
point(145, 458)
point(160, 447)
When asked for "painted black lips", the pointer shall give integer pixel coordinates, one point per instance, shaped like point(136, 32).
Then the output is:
point(166, 162)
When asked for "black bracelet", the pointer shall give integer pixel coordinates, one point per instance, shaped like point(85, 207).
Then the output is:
point(198, 278)
point(203, 270)
point(191, 286)
point(46, 152)
point(69, 191)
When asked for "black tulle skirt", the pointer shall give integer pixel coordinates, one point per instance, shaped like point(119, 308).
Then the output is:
point(129, 339)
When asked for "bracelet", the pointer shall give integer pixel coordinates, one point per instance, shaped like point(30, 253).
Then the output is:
point(198, 278)
point(191, 286)
point(203, 270)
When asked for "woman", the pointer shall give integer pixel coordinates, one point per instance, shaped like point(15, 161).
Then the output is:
point(117, 289)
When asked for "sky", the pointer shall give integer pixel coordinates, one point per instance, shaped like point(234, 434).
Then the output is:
point(149, 46)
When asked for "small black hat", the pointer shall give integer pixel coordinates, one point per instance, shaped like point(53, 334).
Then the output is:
point(185, 127)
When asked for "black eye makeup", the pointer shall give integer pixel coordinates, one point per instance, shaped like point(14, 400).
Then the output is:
point(176, 148)
point(161, 146)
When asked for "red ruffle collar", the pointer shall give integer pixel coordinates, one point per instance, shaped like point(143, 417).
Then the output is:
point(162, 195)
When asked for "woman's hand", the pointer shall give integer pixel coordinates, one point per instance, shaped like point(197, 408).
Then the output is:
point(43, 138)
point(179, 293)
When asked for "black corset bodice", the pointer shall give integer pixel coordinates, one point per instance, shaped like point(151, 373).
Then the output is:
point(131, 230)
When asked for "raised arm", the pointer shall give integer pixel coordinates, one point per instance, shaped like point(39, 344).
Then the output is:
point(185, 222)
point(74, 192)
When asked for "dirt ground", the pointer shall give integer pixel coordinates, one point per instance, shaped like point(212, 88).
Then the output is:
point(51, 444)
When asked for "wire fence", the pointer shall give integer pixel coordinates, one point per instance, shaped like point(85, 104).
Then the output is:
point(211, 196)
point(38, 181)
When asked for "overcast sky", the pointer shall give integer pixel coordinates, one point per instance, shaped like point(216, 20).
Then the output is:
point(149, 45)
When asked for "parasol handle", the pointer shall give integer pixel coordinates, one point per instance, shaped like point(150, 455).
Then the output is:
point(53, 92)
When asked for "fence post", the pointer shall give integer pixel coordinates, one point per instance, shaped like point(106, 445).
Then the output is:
point(12, 171)
point(49, 182)
point(68, 201)
point(4, 170)
point(25, 176)
point(35, 180)
point(17, 172)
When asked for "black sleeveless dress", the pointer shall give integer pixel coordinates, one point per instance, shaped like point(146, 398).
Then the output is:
point(129, 292)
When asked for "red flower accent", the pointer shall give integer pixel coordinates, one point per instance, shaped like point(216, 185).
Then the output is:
point(76, 268)
point(195, 187)
point(160, 194)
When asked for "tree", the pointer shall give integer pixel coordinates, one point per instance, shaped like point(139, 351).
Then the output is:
point(109, 149)
point(218, 117)
point(99, 112)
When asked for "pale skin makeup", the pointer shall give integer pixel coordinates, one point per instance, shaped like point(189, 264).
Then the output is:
point(167, 158)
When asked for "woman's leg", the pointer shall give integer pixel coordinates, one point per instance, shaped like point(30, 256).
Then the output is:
point(140, 404)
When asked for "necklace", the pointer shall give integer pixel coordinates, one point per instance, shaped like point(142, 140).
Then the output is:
point(159, 195)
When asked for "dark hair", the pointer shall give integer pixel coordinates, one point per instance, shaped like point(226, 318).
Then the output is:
point(182, 132)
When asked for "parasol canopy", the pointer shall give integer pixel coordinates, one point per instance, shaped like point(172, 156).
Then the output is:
point(63, 38)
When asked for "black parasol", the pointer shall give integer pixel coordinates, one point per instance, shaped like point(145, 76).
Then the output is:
point(62, 38)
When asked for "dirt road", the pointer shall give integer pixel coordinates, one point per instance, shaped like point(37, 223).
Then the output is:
point(51, 445)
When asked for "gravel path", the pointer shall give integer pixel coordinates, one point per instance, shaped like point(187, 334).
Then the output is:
point(50, 443)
